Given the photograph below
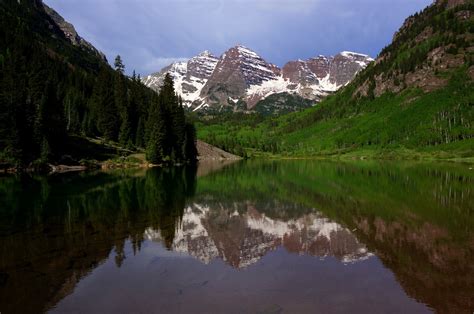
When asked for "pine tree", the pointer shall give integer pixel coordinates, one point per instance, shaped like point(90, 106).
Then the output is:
point(104, 106)
point(156, 134)
point(50, 123)
point(119, 66)
point(178, 130)
point(122, 104)
point(11, 99)
point(190, 151)
point(167, 100)
point(49, 89)
point(140, 134)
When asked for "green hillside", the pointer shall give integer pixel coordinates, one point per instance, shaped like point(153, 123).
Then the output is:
point(415, 101)
point(55, 93)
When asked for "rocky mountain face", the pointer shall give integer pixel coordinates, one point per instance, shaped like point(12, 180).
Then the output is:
point(237, 70)
point(190, 77)
point(70, 32)
point(428, 46)
point(241, 235)
point(241, 75)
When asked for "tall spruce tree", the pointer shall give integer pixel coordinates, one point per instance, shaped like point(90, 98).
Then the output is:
point(122, 103)
point(178, 130)
point(118, 64)
point(190, 150)
point(104, 106)
point(156, 133)
point(167, 137)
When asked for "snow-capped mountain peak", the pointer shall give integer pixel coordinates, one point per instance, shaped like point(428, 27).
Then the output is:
point(242, 74)
point(350, 54)
point(205, 53)
point(189, 76)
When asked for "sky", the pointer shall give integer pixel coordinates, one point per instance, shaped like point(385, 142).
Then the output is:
point(150, 34)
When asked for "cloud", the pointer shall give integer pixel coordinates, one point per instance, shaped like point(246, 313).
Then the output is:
point(158, 63)
point(150, 34)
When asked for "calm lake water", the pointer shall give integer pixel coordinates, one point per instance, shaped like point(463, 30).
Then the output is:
point(249, 237)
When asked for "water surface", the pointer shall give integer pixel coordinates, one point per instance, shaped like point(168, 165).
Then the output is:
point(249, 237)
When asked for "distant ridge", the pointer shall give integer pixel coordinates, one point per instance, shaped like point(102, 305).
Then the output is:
point(240, 78)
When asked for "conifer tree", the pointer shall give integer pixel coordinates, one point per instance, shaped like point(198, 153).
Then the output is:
point(50, 89)
point(156, 134)
point(104, 106)
point(122, 104)
point(190, 150)
point(118, 64)
point(178, 130)
point(140, 134)
point(51, 121)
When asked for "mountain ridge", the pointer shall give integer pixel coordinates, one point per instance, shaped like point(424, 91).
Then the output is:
point(57, 91)
point(70, 32)
point(240, 74)
point(413, 102)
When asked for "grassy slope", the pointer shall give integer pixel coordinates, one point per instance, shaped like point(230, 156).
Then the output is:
point(410, 124)
point(391, 126)
point(406, 123)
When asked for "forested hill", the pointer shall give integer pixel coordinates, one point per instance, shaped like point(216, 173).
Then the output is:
point(54, 90)
point(418, 96)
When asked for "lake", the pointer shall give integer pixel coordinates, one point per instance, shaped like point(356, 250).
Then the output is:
point(246, 237)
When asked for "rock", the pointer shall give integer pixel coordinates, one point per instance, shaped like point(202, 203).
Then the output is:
point(70, 32)
point(209, 152)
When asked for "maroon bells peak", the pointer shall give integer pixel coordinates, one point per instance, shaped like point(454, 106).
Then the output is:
point(241, 75)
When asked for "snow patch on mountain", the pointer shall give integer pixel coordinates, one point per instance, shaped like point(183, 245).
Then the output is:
point(189, 76)
point(241, 74)
point(350, 54)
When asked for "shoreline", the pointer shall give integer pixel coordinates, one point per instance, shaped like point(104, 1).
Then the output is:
point(62, 169)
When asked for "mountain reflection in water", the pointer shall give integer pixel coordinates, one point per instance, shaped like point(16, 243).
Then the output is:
point(293, 236)
point(213, 231)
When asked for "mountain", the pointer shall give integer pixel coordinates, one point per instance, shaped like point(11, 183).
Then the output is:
point(70, 33)
point(427, 44)
point(414, 101)
point(241, 78)
point(56, 89)
point(189, 77)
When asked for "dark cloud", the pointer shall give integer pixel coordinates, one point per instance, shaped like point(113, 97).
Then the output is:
point(149, 34)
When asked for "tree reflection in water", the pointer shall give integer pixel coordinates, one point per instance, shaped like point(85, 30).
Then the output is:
point(416, 218)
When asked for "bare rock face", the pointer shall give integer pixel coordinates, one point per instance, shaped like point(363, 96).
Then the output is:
point(201, 66)
point(238, 69)
point(208, 152)
point(299, 72)
point(317, 77)
point(426, 72)
point(345, 66)
point(189, 77)
point(70, 32)
point(241, 75)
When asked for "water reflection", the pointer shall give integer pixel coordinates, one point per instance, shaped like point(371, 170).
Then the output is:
point(56, 230)
point(311, 235)
point(242, 235)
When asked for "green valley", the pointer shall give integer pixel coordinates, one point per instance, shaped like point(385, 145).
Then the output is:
point(415, 101)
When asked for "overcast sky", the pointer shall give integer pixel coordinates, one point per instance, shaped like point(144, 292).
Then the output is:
point(150, 34)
